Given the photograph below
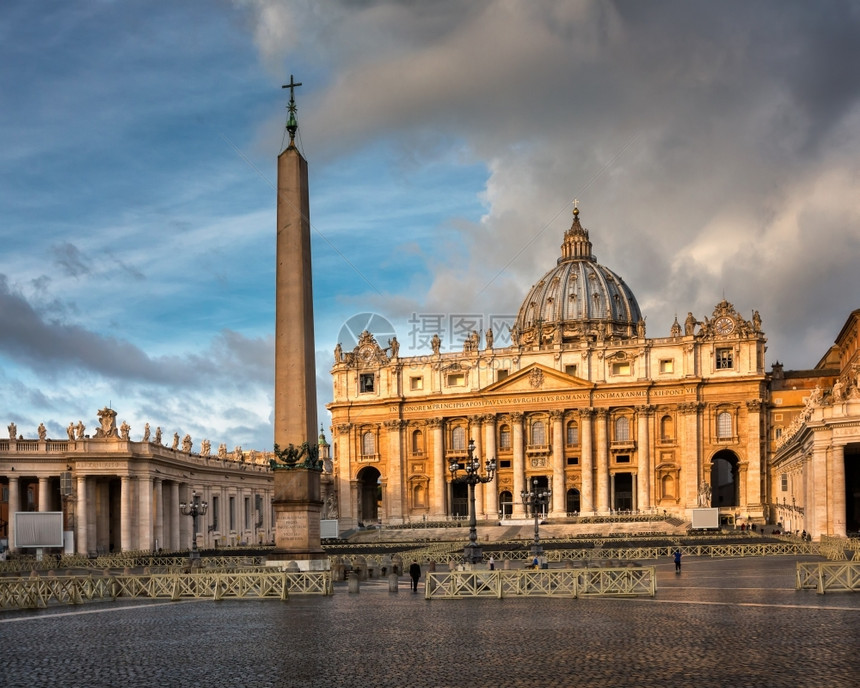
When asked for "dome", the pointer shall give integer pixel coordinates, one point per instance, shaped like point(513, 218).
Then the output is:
point(578, 298)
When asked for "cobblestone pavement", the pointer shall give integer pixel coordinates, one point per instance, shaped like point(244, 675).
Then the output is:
point(735, 622)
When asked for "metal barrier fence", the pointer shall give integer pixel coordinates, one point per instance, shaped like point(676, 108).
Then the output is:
point(828, 577)
point(615, 582)
point(754, 549)
point(25, 593)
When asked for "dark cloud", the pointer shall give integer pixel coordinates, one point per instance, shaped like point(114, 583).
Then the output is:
point(70, 260)
point(42, 344)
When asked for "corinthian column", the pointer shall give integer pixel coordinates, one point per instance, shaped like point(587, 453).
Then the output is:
point(602, 463)
point(437, 488)
point(586, 500)
point(643, 444)
point(519, 463)
point(492, 487)
point(559, 491)
point(475, 434)
point(393, 499)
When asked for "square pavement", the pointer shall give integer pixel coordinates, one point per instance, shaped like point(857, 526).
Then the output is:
point(720, 622)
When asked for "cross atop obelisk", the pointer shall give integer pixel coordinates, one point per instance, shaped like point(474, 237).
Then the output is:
point(292, 122)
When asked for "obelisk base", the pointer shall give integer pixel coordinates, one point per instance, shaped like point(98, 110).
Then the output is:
point(297, 507)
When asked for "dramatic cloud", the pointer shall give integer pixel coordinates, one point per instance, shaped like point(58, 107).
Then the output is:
point(714, 149)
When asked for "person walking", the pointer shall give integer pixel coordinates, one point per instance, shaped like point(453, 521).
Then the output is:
point(492, 563)
point(415, 574)
point(677, 557)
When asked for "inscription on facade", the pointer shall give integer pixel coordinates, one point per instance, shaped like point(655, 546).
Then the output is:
point(621, 394)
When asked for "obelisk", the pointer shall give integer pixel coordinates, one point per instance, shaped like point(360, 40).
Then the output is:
point(297, 468)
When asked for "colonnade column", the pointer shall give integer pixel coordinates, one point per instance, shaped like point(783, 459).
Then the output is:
point(125, 510)
point(437, 488)
point(602, 463)
point(158, 485)
point(586, 497)
point(144, 512)
point(519, 463)
point(184, 521)
point(81, 515)
point(837, 492)
point(492, 487)
point(173, 511)
point(643, 444)
point(14, 506)
point(559, 491)
point(475, 434)
point(816, 509)
point(44, 495)
point(394, 493)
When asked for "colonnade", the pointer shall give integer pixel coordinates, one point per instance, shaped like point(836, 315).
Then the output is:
point(109, 513)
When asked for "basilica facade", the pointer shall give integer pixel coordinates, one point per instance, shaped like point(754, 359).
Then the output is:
point(581, 402)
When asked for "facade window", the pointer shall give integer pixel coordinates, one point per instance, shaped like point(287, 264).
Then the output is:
point(572, 460)
point(365, 382)
point(622, 458)
point(232, 505)
point(417, 442)
point(368, 444)
point(458, 439)
point(247, 524)
point(667, 365)
point(456, 380)
point(725, 359)
point(501, 375)
point(622, 429)
point(572, 433)
point(505, 437)
point(215, 511)
point(724, 425)
point(621, 368)
point(777, 433)
point(667, 428)
point(570, 370)
point(538, 433)
point(783, 482)
point(505, 463)
point(416, 383)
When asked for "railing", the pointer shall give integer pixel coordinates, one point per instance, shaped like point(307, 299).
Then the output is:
point(828, 577)
point(615, 582)
point(37, 591)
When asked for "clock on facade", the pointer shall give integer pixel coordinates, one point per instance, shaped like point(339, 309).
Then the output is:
point(724, 325)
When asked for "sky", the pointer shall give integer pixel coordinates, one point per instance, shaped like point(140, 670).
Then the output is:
point(713, 148)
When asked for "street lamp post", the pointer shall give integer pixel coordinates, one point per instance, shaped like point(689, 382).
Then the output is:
point(472, 553)
point(193, 508)
point(533, 500)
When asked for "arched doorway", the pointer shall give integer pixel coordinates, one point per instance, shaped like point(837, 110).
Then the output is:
point(573, 505)
point(725, 483)
point(369, 495)
point(460, 500)
point(506, 504)
point(538, 483)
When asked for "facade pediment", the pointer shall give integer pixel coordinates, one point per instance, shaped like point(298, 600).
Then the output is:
point(537, 377)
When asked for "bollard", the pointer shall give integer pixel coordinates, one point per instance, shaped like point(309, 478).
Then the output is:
point(392, 582)
point(352, 585)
